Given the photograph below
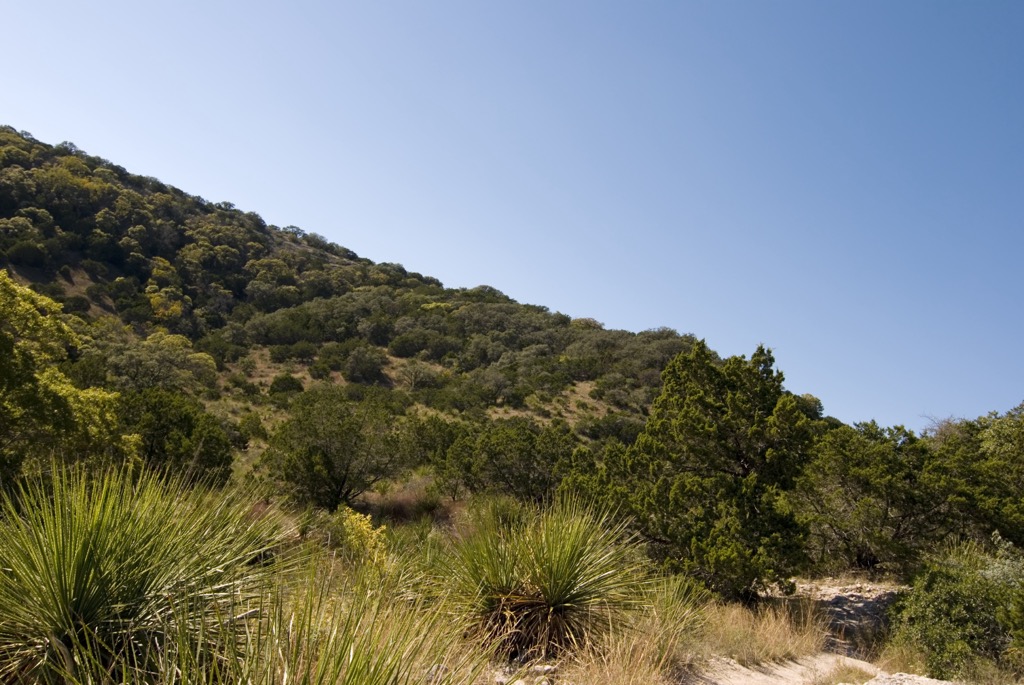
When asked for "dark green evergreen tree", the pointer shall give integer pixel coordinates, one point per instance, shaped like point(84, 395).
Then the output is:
point(872, 497)
point(707, 479)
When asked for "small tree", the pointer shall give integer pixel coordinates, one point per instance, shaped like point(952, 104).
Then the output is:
point(332, 449)
point(178, 436)
point(706, 479)
point(365, 364)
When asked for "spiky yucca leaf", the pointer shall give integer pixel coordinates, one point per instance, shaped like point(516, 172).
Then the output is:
point(556, 582)
point(98, 569)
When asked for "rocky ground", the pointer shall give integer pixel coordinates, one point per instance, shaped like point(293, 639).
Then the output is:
point(855, 610)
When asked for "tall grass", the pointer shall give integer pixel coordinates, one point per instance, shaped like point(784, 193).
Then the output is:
point(130, 579)
point(552, 581)
point(126, 578)
point(769, 633)
point(342, 631)
point(96, 570)
point(660, 643)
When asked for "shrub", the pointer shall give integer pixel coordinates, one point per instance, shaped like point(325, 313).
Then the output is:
point(959, 612)
point(556, 582)
point(27, 253)
point(77, 303)
point(285, 383)
point(247, 365)
point(247, 387)
point(365, 365)
point(99, 571)
point(96, 270)
point(354, 535)
point(251, 427)
point(319, 371)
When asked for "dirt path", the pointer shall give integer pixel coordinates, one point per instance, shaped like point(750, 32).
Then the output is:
point(856, 615)
point(855, 610)
point(809, 670)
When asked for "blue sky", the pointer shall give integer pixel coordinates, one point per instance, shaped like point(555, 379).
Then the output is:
point(841, 181)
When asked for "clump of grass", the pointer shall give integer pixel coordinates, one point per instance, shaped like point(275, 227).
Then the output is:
point(542, 584)
point(844, 673)
point(355, 630)
point(125, 578)
point(660, 643)
point(769, 633)
point(99, 570)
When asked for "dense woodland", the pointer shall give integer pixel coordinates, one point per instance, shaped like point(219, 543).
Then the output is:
point(145, 328)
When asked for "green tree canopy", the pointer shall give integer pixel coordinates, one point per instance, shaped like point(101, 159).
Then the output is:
point(872, 496)
point(706, 480)
point(41, 412)
point(332, 449)
point(178, 436)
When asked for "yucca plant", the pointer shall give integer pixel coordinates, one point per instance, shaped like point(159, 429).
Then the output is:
point(553, 583)
point(99, 572)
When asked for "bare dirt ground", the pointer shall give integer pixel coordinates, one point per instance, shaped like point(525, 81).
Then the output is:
point(810, 670)
point(856, 614)
point(855, 611)
point(819, 669)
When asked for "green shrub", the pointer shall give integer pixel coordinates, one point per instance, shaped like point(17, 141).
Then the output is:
point(956, 613)
point(96, 270)
point(77, 303)
point(285, 383)
point(319, 371)
point(365, 364)
point(99, 572)
point(251, 427)
point(354, 535)
point(27, 253)
point(554, 582)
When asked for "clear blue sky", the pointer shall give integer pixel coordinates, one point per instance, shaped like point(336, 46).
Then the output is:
point(841, 181)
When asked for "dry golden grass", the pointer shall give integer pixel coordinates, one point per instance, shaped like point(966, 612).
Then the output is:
point(652, 650)
point(902, 658)
point(669, 639)
point(626, 662)
point(844, 673)
point(768, 634)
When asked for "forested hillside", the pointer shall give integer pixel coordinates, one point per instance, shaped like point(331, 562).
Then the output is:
point(173, 293)
point(143, 325)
